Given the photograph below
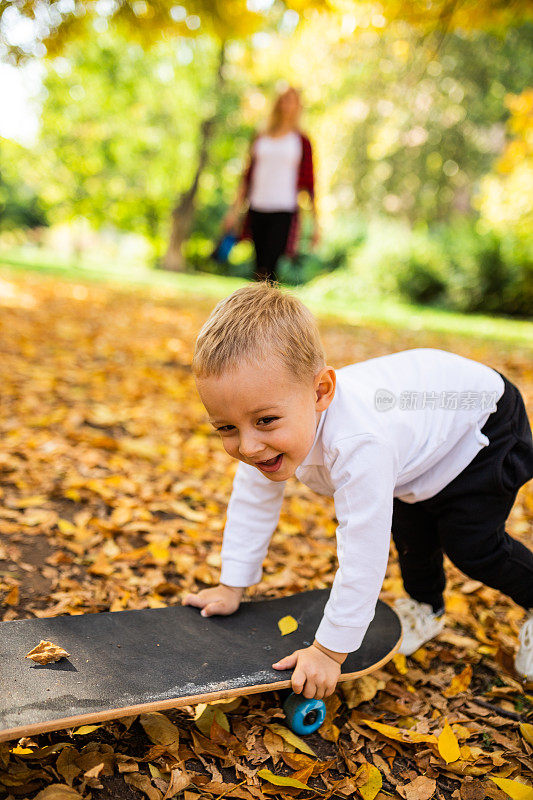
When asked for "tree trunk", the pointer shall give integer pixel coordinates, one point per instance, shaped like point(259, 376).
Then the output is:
point(184, 210)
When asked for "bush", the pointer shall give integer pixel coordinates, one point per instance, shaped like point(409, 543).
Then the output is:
point(487, 272)
point(458, 267)
point(464, 269)
point(421, 274)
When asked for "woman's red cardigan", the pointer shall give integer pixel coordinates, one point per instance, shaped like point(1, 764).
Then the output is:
point(305, 183)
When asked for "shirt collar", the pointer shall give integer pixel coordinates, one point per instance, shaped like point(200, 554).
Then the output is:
point(315, 456)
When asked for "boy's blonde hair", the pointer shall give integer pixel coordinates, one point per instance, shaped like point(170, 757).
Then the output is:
point(256, 322)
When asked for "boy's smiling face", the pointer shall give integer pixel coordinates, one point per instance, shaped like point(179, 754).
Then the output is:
point(266, 416)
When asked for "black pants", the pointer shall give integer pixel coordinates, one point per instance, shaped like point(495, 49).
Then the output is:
point(270, 231)
point(466, 519)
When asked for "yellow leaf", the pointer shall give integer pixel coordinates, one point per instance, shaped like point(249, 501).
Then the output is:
point(287, 625)
point(448, 744)
point(291, 738)
point(12, 597)
point(160, 730)
point(457, 604)
point(400, 663)
point(527, 732)
point(515, 789)
point(101, 565)
point(46, 652)
point(132, 555)
point(423, 657)
point(65, 526)
point(400, 734)
point(21, 751)
point(461, 731)
point(159, 552)
point(85, 729)
point(207, 715)
point(372, 781)
point(187, 513)
point(460, 683)
point(43, 752)
point(485, 650)
point(228, 705)
point(278, 780)
point(28, 502)
point(154, 601)
point(466, 753)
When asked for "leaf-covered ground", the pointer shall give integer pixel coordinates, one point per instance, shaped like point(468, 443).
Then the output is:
point(113, 492)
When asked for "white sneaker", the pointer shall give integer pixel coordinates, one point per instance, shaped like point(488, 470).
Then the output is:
point(524, 658)
point(419, 624)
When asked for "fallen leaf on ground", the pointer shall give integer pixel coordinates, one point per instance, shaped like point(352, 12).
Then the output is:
point(527, 732)
point(279, 780)
point(448, 745)
point(421, 788)
point(143, 783)
point(460, 683)
point(85, 729)
point(205, 714)
point(291, 738)
point(515, 789)
point(160, 730)
point(400, 734)
point(361, 690)
point(369, 781)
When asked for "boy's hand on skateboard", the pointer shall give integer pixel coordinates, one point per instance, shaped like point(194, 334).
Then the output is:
point(218, 600)
point(316, 670)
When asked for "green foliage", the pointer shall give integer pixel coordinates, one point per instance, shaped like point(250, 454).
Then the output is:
point(464, 269)
point(405, 126)
point(487, 271)
point(421, 275)
point(20, 205)
point(120, 128)
point(415, 141)
point(458, 267)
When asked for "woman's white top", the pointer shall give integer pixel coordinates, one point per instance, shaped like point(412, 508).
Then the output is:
point(275, 173)
point(401, 425)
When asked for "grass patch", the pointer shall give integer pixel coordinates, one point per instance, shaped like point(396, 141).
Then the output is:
point(386, 312)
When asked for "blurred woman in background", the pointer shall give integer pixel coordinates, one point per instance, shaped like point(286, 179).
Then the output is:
point(280, 166)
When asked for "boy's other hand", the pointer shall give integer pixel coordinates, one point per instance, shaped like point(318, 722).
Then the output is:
point(315, 673)
point(218, 600)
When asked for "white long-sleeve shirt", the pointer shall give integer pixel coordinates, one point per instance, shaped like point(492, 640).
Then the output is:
point(402, 425)
point(275, 175)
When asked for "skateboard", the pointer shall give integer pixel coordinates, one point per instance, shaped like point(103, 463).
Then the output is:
point(130, 662)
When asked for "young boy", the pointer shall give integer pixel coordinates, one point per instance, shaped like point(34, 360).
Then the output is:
point(426, 443)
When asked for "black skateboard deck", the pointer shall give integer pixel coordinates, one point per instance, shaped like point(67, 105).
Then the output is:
point(128, 662)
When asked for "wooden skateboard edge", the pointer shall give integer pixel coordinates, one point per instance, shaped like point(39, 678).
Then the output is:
point(166, 705)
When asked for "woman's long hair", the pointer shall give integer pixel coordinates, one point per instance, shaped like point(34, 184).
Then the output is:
point(276, 115)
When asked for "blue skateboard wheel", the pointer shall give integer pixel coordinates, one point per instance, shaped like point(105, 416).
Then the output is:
point(303, 715)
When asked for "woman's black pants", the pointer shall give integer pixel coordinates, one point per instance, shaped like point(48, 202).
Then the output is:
point(270, 231)
point(466, 520)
